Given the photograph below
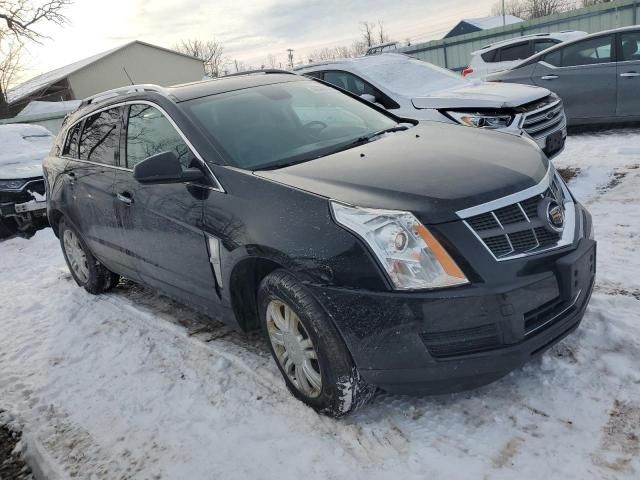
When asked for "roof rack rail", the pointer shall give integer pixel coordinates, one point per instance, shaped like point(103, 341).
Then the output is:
point(263, 70)
point(121, 91)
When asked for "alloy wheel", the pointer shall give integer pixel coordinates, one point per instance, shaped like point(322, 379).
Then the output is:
point(76, 256)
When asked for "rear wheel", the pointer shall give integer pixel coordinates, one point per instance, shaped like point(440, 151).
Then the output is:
point(309, 351)
point(85, 269)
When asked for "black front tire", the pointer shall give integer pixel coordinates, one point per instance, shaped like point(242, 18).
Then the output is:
point(343, 390)
point(100, 279)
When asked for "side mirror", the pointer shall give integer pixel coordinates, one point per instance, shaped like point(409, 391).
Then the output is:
point(368, 97)
point(164, 167)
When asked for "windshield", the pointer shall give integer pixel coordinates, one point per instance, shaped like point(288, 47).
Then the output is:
point(277, 125)
point(409, 77)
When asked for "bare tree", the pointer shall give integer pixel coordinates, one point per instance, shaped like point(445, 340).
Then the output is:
point(532, 8)
point(272, 61)
point(382, 35)
point(359, 48)
point(542, 8)
point(517, 8)
point(344, 52)
point(367, 33)
point(18, 20)
point(21, 16)
point(209, 51)
point(10, 68)
point(590, 3)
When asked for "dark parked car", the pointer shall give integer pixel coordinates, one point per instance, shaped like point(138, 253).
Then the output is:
point(372, 251)
point(23, 207)
point(597, 76)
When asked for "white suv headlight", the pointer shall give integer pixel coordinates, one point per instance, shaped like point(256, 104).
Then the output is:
point(481, 121)
point(11, 184)
point(409, 253)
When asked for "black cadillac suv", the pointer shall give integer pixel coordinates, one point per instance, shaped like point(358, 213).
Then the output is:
point(373, 251)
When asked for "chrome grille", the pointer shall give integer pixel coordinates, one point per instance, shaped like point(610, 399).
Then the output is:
point(544, 120)
point(516, 229)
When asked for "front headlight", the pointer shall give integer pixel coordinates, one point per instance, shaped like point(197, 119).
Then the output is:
point(409, 253)
point(11, 184)
point(481, 121)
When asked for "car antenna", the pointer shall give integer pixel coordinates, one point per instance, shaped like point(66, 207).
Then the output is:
point(128, 76)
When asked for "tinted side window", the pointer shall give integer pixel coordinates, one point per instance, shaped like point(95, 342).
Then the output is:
point(314, 75)
point(630, 46)
point(518, 51)
point(588, 52)
point(554, 58)
point(149, 132)
point(70, 148)
point(540, 45)
point(357, 86)
point(100, 139)
point(490, 56)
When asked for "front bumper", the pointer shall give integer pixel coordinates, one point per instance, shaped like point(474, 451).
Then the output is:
point(455, 339)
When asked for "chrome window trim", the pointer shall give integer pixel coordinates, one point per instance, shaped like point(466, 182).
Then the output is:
point(568, 233)
point(217, 187)
point(97, 164)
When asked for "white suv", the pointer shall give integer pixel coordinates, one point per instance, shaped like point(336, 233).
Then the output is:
point(503, 55)
point(411, 88)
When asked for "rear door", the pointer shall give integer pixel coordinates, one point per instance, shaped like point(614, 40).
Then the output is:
point(629, 74)
point(162, 224)
point(91, 175)
point(583, 74)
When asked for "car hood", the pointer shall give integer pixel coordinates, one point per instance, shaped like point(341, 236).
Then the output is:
point(432, 170)
point(22, 166)
point(482, 95)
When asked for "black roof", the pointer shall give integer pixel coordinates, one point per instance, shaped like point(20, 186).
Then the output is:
point(189, 91)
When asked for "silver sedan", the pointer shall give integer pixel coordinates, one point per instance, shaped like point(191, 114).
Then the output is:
point(597, 76)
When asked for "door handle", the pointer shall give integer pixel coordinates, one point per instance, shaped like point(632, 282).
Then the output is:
point(630, 74)
point(125, 197)
point(549, 77)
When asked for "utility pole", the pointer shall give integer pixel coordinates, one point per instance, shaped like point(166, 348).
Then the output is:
point(504, 17)
point(290, 55)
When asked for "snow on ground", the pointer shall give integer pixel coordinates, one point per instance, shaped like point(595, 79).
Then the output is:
point(132, 385)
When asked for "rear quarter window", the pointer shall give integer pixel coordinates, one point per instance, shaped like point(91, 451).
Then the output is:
point(70, 148)
point(490, 56)
point(519, 51)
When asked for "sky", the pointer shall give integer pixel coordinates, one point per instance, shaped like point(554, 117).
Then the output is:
point(249, 30)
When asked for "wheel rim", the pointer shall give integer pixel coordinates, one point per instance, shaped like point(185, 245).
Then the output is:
point(76, 256)
point(294, 349)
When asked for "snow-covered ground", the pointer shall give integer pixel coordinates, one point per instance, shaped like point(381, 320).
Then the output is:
point(132, 385)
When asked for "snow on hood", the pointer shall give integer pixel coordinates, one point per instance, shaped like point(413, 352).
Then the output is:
point(22, 148)
point(482, 95)
point(430, 86)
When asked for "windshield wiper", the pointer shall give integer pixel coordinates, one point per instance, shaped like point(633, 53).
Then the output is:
point(368, 137)
point(305, 158)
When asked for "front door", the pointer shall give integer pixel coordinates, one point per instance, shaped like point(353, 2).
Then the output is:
point(162, 224)
point(583, 74)
point(629, 74)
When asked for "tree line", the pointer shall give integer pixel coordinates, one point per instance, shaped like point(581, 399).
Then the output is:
point(527, 9)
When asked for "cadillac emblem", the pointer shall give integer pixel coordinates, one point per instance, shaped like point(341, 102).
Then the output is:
point(555, 216)
point(553, 213)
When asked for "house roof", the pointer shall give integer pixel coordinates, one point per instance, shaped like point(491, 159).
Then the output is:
point(46, 79)
point(485, 23)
